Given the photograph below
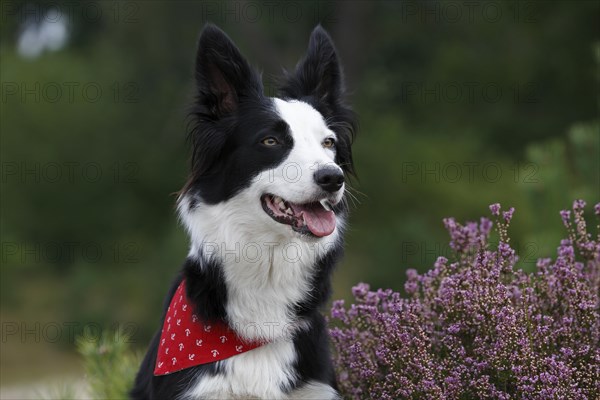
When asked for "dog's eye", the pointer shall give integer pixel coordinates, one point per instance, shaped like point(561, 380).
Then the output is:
point(329, 143)
point(270, 141)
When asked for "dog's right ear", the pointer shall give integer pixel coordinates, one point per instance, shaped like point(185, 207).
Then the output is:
point(223, 76)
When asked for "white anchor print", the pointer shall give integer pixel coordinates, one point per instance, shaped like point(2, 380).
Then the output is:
point(184, 307)
point(179, 322)
point(167, 350)
point(223, 339)
point(198, 342)
point(172, 336)
point(160, 364)
point(194, 318)
point(162, 341)
point(174, 360)
point(180, 346)
point(187, 332)
point(191, 357)
point(239, 348)
point(214, 353)
point(207, 328)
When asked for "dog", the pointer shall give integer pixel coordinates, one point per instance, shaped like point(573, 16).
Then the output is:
point(265, 209)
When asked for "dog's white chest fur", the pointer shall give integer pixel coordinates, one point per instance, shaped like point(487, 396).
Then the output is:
point(263, 372)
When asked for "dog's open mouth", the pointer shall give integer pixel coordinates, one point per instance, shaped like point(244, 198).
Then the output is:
point(309, 218)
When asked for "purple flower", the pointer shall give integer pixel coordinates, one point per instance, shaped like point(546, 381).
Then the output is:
point(441, 261)
point(454, 328)
point(359, 291)
point(578, 205)
point(507, 215)
point(337, 310)
point(566, 217)
point(475, 327)
point(485, 226)
point(505, 250)
point(412, 285)
point(495, 209)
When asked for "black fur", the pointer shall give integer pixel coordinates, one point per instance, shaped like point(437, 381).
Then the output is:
point(231, 115)
point(205, 287)
point(312, 347)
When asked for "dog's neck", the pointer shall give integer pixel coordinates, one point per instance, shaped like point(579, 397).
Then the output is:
point(271, 277)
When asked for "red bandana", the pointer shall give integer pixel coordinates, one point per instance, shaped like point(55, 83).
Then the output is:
point(186, 342)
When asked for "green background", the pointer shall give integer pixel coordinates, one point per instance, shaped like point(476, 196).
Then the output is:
point(461, 104)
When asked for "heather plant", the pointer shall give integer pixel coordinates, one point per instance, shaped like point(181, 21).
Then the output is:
point(476, 326)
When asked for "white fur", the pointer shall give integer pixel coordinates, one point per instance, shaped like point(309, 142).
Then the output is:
point(267, 267)
point(293, 179)
point(260, 373)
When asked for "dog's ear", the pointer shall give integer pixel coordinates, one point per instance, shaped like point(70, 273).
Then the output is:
point(223, 76)
point(318, 76)
point(318, 80)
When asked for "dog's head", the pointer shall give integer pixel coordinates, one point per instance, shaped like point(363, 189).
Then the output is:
point(269, 163)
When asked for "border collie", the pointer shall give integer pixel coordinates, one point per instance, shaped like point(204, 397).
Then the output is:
point(265, 209)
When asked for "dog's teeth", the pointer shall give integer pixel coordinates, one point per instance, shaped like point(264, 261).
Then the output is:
point(325, 205)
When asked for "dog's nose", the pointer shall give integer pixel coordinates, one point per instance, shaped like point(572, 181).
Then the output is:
point(329, 179)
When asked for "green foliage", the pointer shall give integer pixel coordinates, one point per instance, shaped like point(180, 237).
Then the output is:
point(110, 364)
point(565, 168)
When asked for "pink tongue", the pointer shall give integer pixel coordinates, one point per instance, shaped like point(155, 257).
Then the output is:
point(318, 220)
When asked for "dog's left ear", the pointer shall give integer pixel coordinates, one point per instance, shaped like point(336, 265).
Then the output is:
point(318, 80)
point(318, 76)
